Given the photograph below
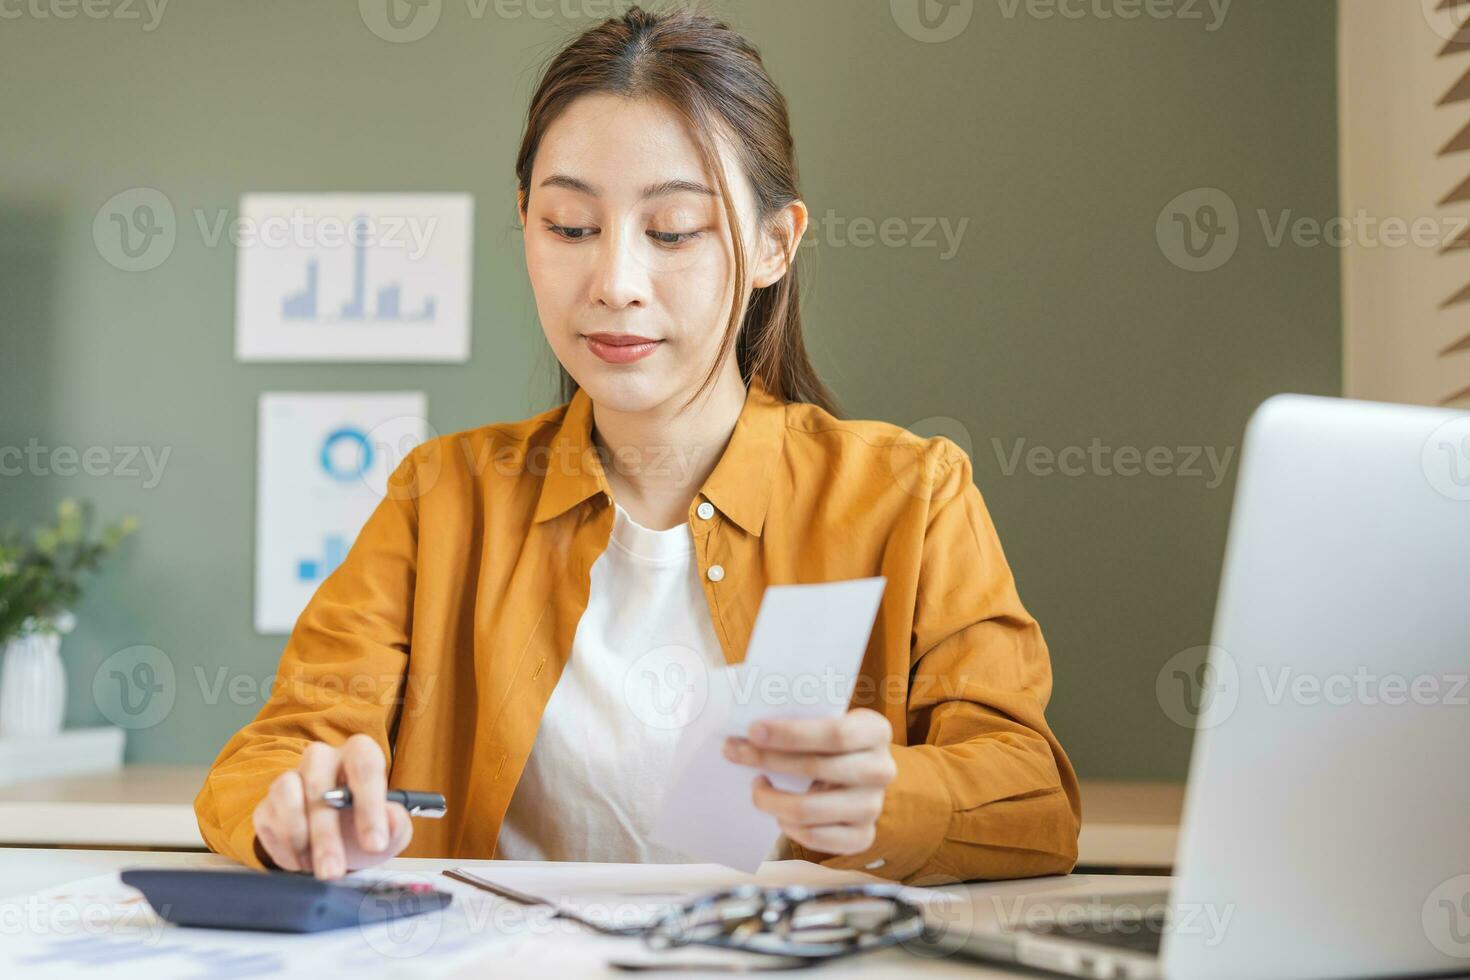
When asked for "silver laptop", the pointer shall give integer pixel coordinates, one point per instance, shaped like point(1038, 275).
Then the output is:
point(1326, 830)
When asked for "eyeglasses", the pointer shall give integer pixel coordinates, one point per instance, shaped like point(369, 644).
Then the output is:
point(789, 927)
point(805, 923)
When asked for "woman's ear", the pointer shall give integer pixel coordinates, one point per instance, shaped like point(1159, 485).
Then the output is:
point(780, 238)
point(521, 206)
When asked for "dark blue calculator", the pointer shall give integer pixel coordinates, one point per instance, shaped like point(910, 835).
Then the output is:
point(277, 901)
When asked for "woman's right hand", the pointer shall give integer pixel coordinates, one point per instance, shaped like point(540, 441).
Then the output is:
point(300, 832)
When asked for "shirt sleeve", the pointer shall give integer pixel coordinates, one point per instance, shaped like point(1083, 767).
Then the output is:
point(983, 788)
point(341, 672)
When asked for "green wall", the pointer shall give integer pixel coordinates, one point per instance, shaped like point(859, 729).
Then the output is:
point(1058, 321)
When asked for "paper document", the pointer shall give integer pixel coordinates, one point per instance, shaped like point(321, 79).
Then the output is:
point(101, 927)
point(805, 651)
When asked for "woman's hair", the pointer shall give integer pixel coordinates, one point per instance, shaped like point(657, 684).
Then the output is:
point(713, 77)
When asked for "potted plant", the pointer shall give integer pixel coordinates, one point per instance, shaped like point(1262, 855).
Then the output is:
point(40, 580)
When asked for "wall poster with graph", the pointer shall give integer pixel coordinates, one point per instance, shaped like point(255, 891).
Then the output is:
point(353, 277)
point(323, 464)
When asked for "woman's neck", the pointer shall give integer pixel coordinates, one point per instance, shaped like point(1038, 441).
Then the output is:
point(658, 459)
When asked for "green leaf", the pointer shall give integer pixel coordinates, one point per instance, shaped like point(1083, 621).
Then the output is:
point(46, 540)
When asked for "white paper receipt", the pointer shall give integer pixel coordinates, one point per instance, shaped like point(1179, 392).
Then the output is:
point(805, 651)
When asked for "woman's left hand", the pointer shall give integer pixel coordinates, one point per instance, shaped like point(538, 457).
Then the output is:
point(851, 760)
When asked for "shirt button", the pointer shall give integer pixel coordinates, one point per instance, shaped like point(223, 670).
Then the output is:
point(716, 572)
point(705, 510)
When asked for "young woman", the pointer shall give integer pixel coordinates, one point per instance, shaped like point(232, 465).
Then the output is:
point(488, 635)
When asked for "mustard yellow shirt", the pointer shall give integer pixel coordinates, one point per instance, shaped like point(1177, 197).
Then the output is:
point(445, 628)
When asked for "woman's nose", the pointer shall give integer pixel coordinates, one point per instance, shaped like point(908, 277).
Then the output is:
point(621, 277)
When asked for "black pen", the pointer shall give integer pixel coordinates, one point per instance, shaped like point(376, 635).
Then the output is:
point(417, 804)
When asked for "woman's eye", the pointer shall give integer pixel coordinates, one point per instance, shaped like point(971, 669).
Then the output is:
point(673, 237)
point(570, 234)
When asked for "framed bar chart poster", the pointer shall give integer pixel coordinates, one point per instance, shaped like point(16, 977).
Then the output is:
point(353, 277)
point(323, 466)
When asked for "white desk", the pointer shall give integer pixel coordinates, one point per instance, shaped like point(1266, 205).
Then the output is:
point(26, 870)
point(1127, 825)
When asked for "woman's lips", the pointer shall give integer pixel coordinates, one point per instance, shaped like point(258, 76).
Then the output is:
point(621, 348)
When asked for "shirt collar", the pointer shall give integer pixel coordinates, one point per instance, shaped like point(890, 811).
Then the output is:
point(740, 486)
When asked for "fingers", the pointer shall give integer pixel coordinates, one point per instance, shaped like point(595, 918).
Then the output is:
point(366, 772)
point(320, 766)
point(860, 728)
point(280, 823)
point(834, 839)
point(842, 821)
point(866, 768)
point(848, 805)
point(400, 828)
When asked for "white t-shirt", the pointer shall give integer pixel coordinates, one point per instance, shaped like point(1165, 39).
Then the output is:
point(603, 752)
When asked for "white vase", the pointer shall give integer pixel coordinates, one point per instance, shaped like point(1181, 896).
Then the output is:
point(32, 686)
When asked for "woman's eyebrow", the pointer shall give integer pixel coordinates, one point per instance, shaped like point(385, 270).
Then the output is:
point(661, 189)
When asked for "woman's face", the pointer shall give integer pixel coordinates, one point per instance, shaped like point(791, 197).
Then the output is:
point(625, 235)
